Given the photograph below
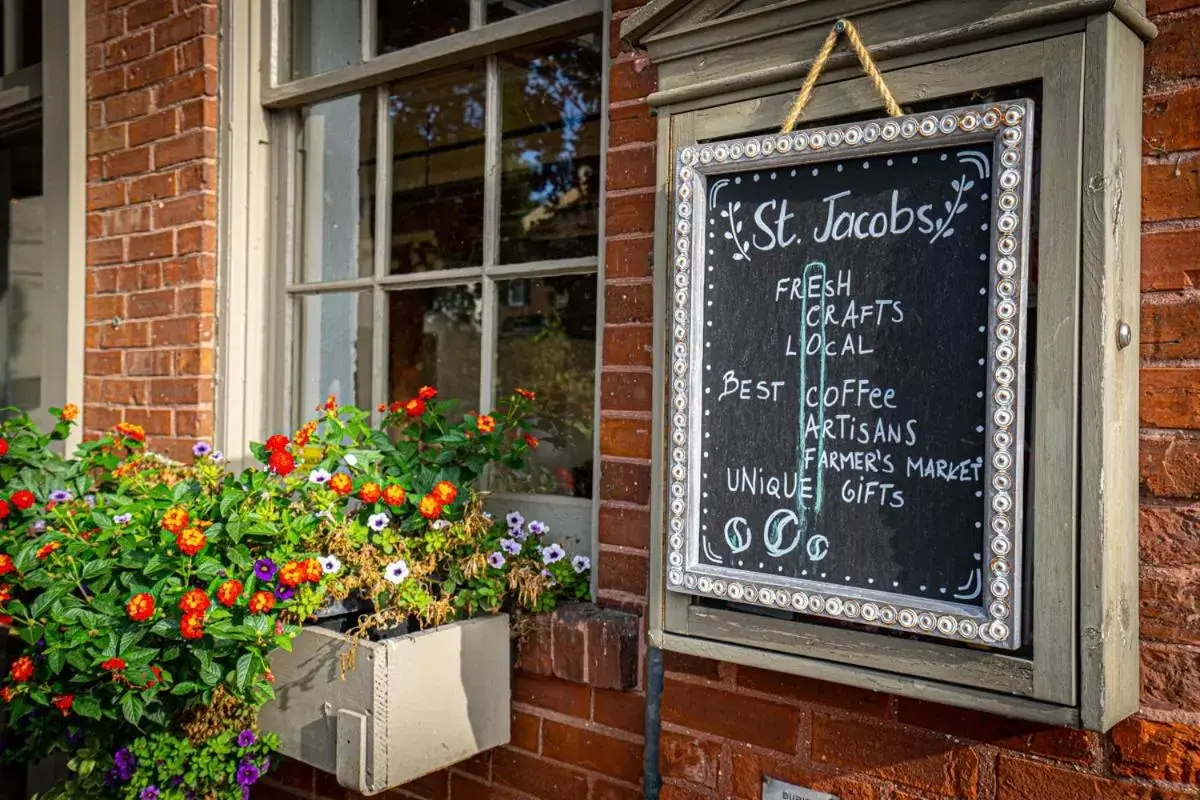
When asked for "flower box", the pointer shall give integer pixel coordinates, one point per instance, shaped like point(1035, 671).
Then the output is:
point(411, 705)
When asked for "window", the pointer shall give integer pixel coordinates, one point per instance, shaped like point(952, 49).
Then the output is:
point(445, 227)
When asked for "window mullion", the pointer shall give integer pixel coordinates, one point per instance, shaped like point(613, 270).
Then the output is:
point(477, 14)
point(491, 228)
point(367, 34)
point(383, 246)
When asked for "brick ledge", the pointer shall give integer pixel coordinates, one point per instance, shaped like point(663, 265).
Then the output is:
point(583, 643)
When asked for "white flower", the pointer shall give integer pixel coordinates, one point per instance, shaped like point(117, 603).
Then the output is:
point(440, 524)
point(488, 516)
point(325, 514)
point(378, 522)
point(330, 564)
point(538, 528)
point(553, 553)
point(217, 455)
point(351, 459)
point(496, 560)
point(549, 577)
point(510, 546)
point(319, 476)
point(396, 571)
point(581, 564)
point(122, 519)
point(514, 519)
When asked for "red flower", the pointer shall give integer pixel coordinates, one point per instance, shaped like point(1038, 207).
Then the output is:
point(369, 492)
point(382, 407)
point(23, 499)
point(395, 407)
point(157, 677)
point(261, 602)
point(175, 519)
point(192, 626)
point(281, 463)
point(131, 431)
point(6, 564)
point(6, 694)
point(113, 665)
point(3, 447)
point(341, 484)
point(394, 495)
point(292, 574)
point(276, 444)
point(430, 508)
point(312, 570)
point(331, 403)
point(427, 393)
point(5, 593)
point(530, 440)
point(191, 541)
point(194, 601)
point(528, 395)
point(4, 509)
point(140, 607)
point(22, 669)
point(63, 703)
point(415, 407)
point(228, 593)
point(486, 423)
point(45, 550)
point(444, 492)
point(5, 619)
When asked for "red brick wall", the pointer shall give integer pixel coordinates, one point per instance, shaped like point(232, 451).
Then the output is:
point(151, 224)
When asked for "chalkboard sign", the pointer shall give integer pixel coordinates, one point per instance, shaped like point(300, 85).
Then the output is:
point(847, 371)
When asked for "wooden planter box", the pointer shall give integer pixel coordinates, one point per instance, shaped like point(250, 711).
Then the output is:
point(412, 705)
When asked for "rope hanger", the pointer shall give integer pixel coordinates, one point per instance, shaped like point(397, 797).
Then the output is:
point(814, 72)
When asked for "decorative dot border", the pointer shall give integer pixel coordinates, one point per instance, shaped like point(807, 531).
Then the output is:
point(997, 624)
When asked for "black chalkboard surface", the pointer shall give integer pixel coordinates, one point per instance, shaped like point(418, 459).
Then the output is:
point(840, 363)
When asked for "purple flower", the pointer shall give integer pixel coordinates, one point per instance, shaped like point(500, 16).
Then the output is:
point(246, 738)
point(123, 519)
point(510, 546)
point(38, 526)
point(378, 522)
point(396, 571)
point(319, 476)
point(74, 737)
point(218, 456)
point(552, 554)
point(125, 763)
point(149, 793)
point(581, 564)
point(538, 528)
point(247, 773)
point(549, 576)
point(60, 495)
point(265, 569)
point(201, 449)
point(496, 560)
point(514, 519)
point(284, 593)
point(90, 499)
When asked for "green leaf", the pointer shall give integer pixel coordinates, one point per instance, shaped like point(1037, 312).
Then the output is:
point(243, 670)
point(132, 708)
point(101, 520)
point(210, 673)
point(185, 687)
point(129, 639)
point(92, 569)
point(86, 706)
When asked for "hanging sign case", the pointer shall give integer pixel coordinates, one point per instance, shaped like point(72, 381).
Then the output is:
point(847, 371)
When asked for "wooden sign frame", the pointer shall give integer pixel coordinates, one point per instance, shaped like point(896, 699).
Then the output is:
point(1008, 126)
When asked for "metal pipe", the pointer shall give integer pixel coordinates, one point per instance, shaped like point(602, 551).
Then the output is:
point(651, 777)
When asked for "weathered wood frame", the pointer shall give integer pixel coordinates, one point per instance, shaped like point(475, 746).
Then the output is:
point(1083, 493)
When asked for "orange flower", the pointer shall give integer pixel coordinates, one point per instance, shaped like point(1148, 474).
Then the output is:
point(486, 423)
point(131, 431)
point(113, 665)
point(312, 570)
point(194, 601)
point(191, 541)
point(430, 508)
point(192, 626)
point(22, 669)
point(370, 492)
point(528, 395)
point(261, 602)
point(393, 495)
point(444, 492)
point(70, 412)
point(331, 403)
point(305, 433)
point(382, 407)
point(276, 443)
point(415, 407)
point(5, 593)
point(342, 484)
point(292, 574)
point(63, 703)
point(45, 550)
point(427, 393)
point(530, 440)
point(228, 593)
point(6, 564)
point(140, 607)
point(175, 519)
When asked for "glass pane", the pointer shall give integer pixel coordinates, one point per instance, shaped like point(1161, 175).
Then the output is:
point(547, 343)
point(338, 186)
point(433, 340)
point(335, 350)
point(403, 23)
point(437, 170)
point(550, 192)
point(497, 10)
point(326, 35)
point(20, 306)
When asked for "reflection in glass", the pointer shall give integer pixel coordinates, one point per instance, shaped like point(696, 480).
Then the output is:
point(404, 23)
point(326, 35)
point(437, 170)
point(338, 186)
point(497, 10)
point(547, 343)
point(550, 157)
point(434, 340)
point(334, 352)
point(21, 297)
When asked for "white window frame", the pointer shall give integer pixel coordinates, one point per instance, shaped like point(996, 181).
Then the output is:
point(259, 172)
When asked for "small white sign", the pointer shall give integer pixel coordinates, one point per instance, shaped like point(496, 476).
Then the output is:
point(778, 790)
